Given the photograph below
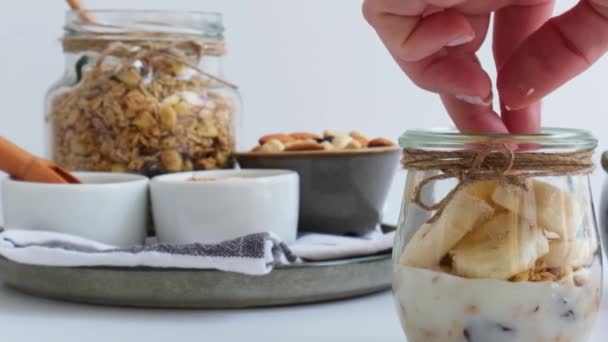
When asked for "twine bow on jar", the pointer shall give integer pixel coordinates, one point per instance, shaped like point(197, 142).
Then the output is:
point(186, 50)
point(492, 162)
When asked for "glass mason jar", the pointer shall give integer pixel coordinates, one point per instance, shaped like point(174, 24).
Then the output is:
point(497, 240)
point(142, 92)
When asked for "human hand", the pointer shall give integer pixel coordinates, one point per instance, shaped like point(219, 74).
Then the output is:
point(435, 41)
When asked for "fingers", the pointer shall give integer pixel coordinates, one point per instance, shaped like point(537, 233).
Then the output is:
point(561, 49)
point(454, 70)
point(512, 25)
point(470, 118)
point(433, 33)
point(456, 74)
point(411, 38)
point(473, 114)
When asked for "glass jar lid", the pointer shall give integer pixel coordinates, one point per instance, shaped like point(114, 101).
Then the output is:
point(144, 22)
point(566, 139)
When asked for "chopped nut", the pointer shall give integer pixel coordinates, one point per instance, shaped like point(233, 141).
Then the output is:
point(207, 131)
point(168, 116)
point(305, 136)
point(171, 160)
point(304, 146)
point(353, 144)
point(380, 142)
point(145, 121)
point(341, 141)
point(182, 108)
point(272, 146)
point(333, 133)
point(207, 163)
point(362, 139)
point(520, 277)
point(130, 77)
point(327, 146)
point(119, 168)
point(284, 138)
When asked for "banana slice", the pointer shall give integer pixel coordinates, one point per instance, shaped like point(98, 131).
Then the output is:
point(558, 211)
point(553, 209)
point(433, 240)
point(499, 249)
point(482, 190)
point(576, 253)
point(517, 200)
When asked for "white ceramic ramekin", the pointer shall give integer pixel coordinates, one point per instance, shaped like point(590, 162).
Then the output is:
point(108, 207)
point(225, 205)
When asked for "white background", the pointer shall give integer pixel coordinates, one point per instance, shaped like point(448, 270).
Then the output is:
point(302, 65)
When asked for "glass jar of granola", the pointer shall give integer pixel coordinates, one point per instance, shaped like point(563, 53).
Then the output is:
point(497, 240)
point(143, 93)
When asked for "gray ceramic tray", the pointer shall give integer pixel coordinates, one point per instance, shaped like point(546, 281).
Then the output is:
point(178, 288)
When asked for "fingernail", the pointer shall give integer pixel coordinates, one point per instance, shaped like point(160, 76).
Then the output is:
point(467, 38)
point(475, 100)
point(530, 92)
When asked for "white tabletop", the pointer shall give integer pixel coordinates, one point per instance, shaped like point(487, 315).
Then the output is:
point(372, 318)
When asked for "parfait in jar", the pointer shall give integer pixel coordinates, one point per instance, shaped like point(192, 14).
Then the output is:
point(498, 241)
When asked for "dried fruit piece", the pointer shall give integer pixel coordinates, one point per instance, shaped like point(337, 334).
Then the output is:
point(499, 249)
point(380, 142)
point(434, 240)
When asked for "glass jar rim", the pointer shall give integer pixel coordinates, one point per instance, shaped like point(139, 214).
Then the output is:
point(108, 23)
point(451, 138)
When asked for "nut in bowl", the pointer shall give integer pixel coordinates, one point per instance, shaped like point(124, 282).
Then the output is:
point(343, 187)
point(331, 140)
point(108, 208)
point(215, 206)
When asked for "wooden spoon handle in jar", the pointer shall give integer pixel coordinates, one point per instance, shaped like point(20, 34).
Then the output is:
point(78, 5)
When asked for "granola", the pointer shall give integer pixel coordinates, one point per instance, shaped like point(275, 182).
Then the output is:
point(135, 110)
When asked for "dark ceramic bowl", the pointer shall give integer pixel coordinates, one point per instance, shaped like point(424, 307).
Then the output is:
point(341, 192)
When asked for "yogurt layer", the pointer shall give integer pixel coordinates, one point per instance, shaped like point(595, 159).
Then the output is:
point(435, 306)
